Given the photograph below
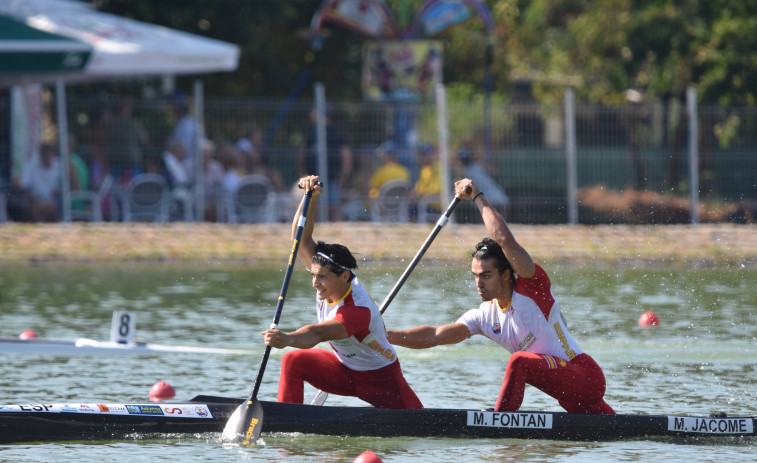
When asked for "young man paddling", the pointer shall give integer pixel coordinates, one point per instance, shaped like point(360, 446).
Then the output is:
point(520, 313)
point(363, 363)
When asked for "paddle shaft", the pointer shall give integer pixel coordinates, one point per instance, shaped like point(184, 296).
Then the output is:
point(320, 397)
point(246, 423)
point(437, 228)
point(284, 288)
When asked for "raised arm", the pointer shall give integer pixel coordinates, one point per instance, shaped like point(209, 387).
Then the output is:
point(519, 258)
point(423, 337)
point(307, 244)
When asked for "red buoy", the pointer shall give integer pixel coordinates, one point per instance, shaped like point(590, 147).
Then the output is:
point(367, 457)
point(161, 391)
point(28, 334)
point(649, 318)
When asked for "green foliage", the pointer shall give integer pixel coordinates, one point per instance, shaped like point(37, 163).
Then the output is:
point(466, 117)
point(658, 47)
point(267, 33)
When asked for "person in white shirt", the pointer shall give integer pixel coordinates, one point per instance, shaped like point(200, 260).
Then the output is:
point(520, 313)
point(362, 364)
point(41, 181)
point(177, 173)
point(185, 132)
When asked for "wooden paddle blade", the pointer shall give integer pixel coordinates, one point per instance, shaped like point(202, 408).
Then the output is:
point(245, 424)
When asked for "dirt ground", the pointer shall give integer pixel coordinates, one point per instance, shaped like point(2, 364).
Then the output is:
point(705, 244)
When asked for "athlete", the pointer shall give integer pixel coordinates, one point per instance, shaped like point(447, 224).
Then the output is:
point(363, 363)
point(520, 313)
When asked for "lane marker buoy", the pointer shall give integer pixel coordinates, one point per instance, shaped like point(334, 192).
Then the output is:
point(367, 457)
point(27, 334)
point(649, 318)
point(161, 391)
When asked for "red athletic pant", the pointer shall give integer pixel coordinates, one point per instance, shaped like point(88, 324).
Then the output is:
point(382, 388)
point(578, 385)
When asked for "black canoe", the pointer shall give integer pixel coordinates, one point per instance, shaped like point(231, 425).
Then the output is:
point(88, 421)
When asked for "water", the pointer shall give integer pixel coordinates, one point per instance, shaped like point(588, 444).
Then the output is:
point(700, 359)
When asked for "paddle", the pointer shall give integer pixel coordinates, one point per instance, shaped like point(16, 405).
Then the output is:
point(246, 423)
point(320, 397)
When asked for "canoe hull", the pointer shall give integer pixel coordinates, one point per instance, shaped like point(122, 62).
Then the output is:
point(207, 414)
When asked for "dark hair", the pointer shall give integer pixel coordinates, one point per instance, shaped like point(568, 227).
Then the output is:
point(487, 248)
point(341, 259)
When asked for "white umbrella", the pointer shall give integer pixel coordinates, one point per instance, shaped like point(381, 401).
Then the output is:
point(121, 47)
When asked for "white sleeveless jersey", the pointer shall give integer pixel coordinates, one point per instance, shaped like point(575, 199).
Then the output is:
point(532, 323)
point(372, 351)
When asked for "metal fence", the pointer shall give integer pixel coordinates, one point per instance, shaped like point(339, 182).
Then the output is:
point(631, 161)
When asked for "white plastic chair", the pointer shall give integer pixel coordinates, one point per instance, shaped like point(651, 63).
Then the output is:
point(92, 201)
point(147, 197)
point(393, 202)
point(181, 205)
point(424, 215)
point(252, 201)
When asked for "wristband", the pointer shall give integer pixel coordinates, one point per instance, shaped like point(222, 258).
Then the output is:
point(477, 195)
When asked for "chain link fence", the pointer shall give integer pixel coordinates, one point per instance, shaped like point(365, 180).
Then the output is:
point(632, 163)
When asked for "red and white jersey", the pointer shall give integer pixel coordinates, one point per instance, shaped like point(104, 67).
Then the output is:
point(366, 347)
point(532, 323)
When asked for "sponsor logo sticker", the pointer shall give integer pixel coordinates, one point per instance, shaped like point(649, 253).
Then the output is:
point(144, 410)
point(178, 410)
point(510, 420)
point(711, 425)
point(113, 409)
point(187, 411)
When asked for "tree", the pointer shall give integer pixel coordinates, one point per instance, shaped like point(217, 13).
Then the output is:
point(658, 47)
point(267, 33)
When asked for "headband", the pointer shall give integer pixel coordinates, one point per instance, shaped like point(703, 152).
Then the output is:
point(332, 261)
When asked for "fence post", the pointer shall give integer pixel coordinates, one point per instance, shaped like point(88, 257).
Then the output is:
point(442, 125)
point(570, 155)
point(691, 106)
point(322, 146)
point(199, 173)
point(65, 156)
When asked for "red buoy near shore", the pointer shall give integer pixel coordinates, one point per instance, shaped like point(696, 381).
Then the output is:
point(367, 457)
point(649, 318)
point(28, 334)
point(161, 391)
